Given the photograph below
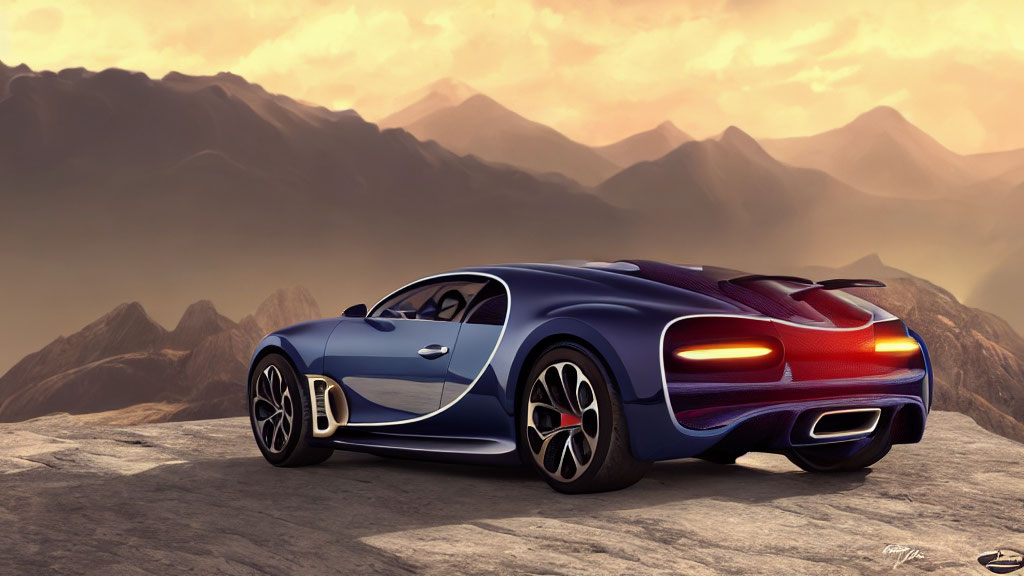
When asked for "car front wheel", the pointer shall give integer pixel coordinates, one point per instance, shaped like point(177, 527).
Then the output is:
point(279, 412)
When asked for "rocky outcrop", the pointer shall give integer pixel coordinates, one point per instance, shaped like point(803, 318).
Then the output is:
point(125, 329)
point(126, 359)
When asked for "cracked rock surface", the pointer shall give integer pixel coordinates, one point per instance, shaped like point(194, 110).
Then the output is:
point(81, 497)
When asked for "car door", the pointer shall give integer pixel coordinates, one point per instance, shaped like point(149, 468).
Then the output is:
point(392, 364)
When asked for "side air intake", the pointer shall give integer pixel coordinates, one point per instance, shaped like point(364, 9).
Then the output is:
point(329, 406)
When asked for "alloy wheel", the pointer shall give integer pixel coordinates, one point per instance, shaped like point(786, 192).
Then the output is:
point(273, 410)
point(562, 421)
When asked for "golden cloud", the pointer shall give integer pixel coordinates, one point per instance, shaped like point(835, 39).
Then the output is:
point(595, 70)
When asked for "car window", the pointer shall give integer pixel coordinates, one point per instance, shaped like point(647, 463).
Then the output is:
point(442, 300)
point(489, 307)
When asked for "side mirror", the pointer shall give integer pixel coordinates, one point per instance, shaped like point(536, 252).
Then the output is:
point(357, 311)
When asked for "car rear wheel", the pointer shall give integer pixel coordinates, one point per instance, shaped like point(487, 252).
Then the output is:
point(279, 411)
point(842, 456)
point(571, 426)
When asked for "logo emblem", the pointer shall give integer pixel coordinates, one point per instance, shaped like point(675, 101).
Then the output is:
point(1002, 561)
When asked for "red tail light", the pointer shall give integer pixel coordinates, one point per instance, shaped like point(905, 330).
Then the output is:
point(723, 348)
point(730, 349)
point(898, 345)
point(730, 355)
point(724, 351)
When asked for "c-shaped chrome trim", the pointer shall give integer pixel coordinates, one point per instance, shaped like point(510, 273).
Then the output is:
point(501, 336)
point(332, 423)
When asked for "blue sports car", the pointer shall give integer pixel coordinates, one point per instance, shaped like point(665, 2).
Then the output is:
point(590, 372)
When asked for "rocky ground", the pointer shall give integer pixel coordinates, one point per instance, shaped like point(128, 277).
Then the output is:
point(79, 495)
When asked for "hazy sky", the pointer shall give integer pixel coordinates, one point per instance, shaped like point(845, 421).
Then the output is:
point(595, 70)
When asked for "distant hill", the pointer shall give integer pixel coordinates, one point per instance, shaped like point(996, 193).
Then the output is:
point(645, 146)
point(869, 267)
point(1006, 166)
point(482, 127)
point(882, 153)
point(126, 359)
point(729, 183)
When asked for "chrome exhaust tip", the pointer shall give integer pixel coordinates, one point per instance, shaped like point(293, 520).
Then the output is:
point(843, 423)
point(328, 404)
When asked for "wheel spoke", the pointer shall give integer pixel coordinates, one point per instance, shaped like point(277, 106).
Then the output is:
point(571, 378)
point(571, 469)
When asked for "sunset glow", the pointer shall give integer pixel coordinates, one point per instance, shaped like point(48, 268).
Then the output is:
point(596, 71)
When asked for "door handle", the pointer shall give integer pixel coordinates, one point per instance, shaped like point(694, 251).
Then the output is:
point(433, 351)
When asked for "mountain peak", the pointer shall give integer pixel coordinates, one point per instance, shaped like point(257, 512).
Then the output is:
point(739, 139)
point(733, 133)
point(438, 95)
point(672, 132)
point(452, 88)
point(19, 69)
point(198, 313)
point(129, 312)
point(871, 260)
point(285, 307)
point(881, 116)
point(199, 321)
point(483, 103)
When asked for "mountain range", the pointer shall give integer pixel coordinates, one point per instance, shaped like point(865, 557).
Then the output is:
point(468, 122)
point(119, 187)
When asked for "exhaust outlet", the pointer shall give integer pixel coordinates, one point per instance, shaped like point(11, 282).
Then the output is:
point(842, 423)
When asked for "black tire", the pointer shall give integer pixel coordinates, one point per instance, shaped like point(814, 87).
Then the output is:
point(295, 450)
point(842, 456)
point(610, 465)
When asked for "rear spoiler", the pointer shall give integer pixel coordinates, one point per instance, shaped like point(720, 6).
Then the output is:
point(831, 284)
point(836, 284)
